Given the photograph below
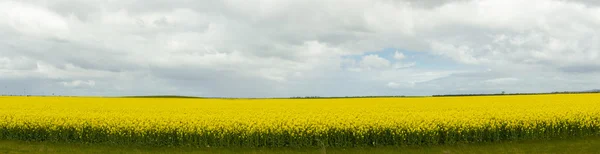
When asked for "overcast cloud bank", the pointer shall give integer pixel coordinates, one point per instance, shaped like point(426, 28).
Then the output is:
point(272, 48)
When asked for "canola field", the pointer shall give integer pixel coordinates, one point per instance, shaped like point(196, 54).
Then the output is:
point(298, 122)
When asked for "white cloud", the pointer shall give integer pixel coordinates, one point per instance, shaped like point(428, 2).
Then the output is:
point(79, 83)
point(501, 80)
point(463, 54)
point(399, 55)
point(32, 20)
point(228, 48)
point(401, 84)
point(373, 62)
point(404, 65)
point(17, 63)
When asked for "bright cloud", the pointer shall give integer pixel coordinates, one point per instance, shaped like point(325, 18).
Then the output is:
point(399, 55)
point(292, 48)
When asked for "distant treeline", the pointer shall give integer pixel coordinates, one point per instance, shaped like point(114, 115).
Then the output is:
point(19, 95)
point(162, 96)
point(509, 94)
point(318, 97)
point(454, 95)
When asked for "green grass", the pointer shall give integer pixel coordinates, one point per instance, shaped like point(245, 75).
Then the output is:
point(574, 145)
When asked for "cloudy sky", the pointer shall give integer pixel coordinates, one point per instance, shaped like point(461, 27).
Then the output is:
point(277, 48)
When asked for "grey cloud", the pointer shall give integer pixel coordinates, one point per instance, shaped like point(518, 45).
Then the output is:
point(79, 9)
point(432, 3)
point(521, 82)
point(288, 48)
point(587, 2)
point(581, 68)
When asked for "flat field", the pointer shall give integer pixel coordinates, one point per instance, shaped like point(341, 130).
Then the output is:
point(336, 123)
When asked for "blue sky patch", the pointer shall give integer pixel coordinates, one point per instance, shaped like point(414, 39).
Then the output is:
point(422, 60)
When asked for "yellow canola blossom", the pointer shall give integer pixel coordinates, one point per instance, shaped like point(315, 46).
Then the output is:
point(298, 122)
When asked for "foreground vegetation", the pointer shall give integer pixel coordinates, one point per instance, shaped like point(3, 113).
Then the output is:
point(360, 122)
point(571, 145)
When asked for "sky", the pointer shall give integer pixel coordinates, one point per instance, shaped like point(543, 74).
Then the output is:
point(285, 48)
